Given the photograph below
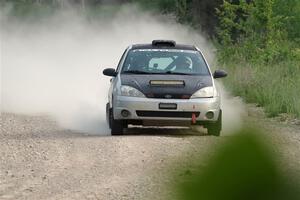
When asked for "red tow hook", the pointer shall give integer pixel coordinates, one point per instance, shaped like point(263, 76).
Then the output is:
point(194, 118)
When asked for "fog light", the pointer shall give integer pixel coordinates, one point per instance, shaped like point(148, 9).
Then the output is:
point(125, 113)
point(210, 115)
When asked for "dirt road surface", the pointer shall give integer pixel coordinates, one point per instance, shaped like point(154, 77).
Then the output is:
point(39, 160)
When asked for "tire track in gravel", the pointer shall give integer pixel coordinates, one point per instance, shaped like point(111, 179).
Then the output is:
point(39, 160)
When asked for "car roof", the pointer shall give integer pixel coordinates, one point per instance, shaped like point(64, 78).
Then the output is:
point(164, 44)
point(177, 46)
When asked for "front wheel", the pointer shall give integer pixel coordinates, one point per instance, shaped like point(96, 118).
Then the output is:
point(116, 126)
point(215, 128)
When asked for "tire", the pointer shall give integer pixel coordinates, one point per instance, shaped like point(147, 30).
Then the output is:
point(116, 126)
point(108, 113)
point(215, 129)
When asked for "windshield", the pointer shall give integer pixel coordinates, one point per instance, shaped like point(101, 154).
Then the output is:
point(165, 61)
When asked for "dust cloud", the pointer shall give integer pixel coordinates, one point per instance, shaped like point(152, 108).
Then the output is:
point(54, 66)
point(234, 111)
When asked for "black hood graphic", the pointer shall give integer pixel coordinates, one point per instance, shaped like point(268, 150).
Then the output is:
point(180, 87)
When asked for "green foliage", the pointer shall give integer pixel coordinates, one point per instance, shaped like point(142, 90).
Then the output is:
point(258, 46)
point(38, 10)
point(164, 6)
point(198, 14)
point(29, 10)
point(290, 10)
point(180, 8)
point(244, 168)
point(233, 21)
point(251, 26)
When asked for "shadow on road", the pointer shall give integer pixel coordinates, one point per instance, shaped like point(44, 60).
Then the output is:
point(164, 131)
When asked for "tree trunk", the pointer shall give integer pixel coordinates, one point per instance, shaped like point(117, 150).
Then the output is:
point(83, 4)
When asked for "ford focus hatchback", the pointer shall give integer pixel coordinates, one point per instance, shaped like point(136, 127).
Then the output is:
point(163, 84)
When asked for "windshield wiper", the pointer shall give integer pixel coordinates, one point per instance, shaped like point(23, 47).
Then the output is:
point(177, 73)
point(135, 72)
point(144, 72)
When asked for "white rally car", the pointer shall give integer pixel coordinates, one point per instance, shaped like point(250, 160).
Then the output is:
point(163, 83)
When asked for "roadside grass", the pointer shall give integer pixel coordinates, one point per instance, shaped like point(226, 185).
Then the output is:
point(276, 87)
point(243, 167)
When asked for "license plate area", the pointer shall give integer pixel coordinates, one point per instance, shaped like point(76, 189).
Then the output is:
point(168, 106)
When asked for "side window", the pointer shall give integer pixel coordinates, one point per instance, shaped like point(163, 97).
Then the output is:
point(200, 65)
point(121, 60)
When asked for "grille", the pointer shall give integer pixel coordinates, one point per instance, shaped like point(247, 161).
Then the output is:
point(169, 96)
point(175, 114)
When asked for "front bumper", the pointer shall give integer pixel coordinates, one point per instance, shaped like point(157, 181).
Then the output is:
point(135, 104)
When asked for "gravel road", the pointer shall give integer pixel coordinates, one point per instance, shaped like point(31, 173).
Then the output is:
point(39, 160)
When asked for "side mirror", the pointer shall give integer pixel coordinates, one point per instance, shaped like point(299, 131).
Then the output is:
point(109, 72)
point(220, 74)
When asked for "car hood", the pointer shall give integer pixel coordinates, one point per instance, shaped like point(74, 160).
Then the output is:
point(166, 86)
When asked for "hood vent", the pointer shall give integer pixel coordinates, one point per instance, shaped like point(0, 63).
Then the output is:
point(167, 83)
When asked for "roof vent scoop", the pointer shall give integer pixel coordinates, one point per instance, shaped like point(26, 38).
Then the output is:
point(167, 43)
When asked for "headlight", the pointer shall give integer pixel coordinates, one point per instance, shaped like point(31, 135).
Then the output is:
point(206, 92)
point(130, 92)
